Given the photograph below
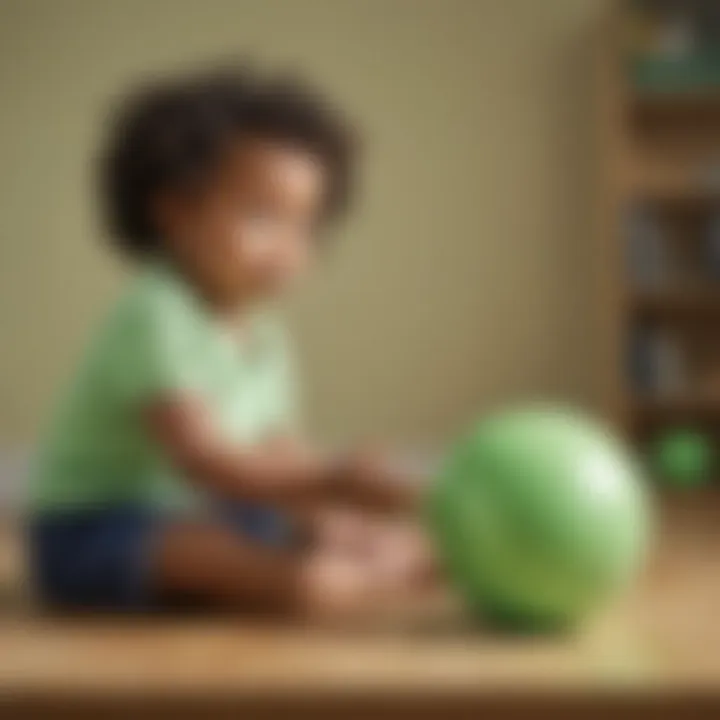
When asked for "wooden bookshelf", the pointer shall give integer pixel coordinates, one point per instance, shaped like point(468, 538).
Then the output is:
point(659, 151)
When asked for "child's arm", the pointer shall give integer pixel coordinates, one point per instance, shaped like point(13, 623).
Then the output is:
point(294, 479)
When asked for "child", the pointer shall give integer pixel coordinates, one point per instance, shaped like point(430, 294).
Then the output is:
point(171, 471)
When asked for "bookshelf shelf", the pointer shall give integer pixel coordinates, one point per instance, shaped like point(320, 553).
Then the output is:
point(674, 105)
point(684, 195)
point(687, 181)
point(680, 409)
point(680, 301)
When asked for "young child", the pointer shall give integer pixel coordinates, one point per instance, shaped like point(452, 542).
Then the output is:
point(171, 471)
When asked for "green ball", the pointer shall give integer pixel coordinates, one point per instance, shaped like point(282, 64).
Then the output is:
point(684, 458)
point(539, 517)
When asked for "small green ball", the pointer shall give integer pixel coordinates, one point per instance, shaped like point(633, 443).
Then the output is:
point(683, 458)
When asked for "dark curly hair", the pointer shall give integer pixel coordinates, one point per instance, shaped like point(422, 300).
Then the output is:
point(172, 134)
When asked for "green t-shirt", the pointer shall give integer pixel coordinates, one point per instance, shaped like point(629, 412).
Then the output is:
point(158, 339)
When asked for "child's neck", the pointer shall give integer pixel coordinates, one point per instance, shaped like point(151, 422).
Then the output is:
point(229, 306)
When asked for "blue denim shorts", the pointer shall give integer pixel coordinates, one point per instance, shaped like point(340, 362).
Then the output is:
point(102, 559)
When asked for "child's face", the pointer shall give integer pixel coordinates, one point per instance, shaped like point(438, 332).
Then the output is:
point(250, 232)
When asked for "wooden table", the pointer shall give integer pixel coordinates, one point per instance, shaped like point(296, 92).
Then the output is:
point(657, 651)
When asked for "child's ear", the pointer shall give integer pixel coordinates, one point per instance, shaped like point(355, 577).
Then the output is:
point(175, 218)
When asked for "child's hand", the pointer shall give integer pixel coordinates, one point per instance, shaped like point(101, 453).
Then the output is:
point(345, 531)
point(374, 481)
point(367, 478)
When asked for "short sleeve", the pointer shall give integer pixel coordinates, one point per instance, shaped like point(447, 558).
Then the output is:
point(155, 348)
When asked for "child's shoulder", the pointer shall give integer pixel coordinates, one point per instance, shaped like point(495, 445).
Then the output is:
point(157, 305)
point(154, 296)
point(156, 288)
point(152, 311)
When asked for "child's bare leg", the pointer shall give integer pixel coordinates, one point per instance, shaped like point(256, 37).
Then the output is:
point(217, 566)
point(212, 564)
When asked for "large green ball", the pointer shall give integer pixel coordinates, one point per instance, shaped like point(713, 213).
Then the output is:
point(539, 515)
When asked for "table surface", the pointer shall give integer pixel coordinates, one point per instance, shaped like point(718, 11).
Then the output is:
point(663, 636)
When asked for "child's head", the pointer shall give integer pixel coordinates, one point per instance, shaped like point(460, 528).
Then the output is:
point(228, 175)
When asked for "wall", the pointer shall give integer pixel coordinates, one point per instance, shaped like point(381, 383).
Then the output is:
point(461, 282)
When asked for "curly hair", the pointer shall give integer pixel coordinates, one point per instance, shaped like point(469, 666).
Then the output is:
point(172, 133)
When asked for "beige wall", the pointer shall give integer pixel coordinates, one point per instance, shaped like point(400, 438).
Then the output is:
point(461, 283)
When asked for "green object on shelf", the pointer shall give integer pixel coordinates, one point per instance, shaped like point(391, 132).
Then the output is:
point(695, 73)
point(539, 516)
point(684, 458)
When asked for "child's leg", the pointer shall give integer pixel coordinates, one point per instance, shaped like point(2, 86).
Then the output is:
point(130, 559)
point(354, 563)
point(127, 559)
point(216, 565)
